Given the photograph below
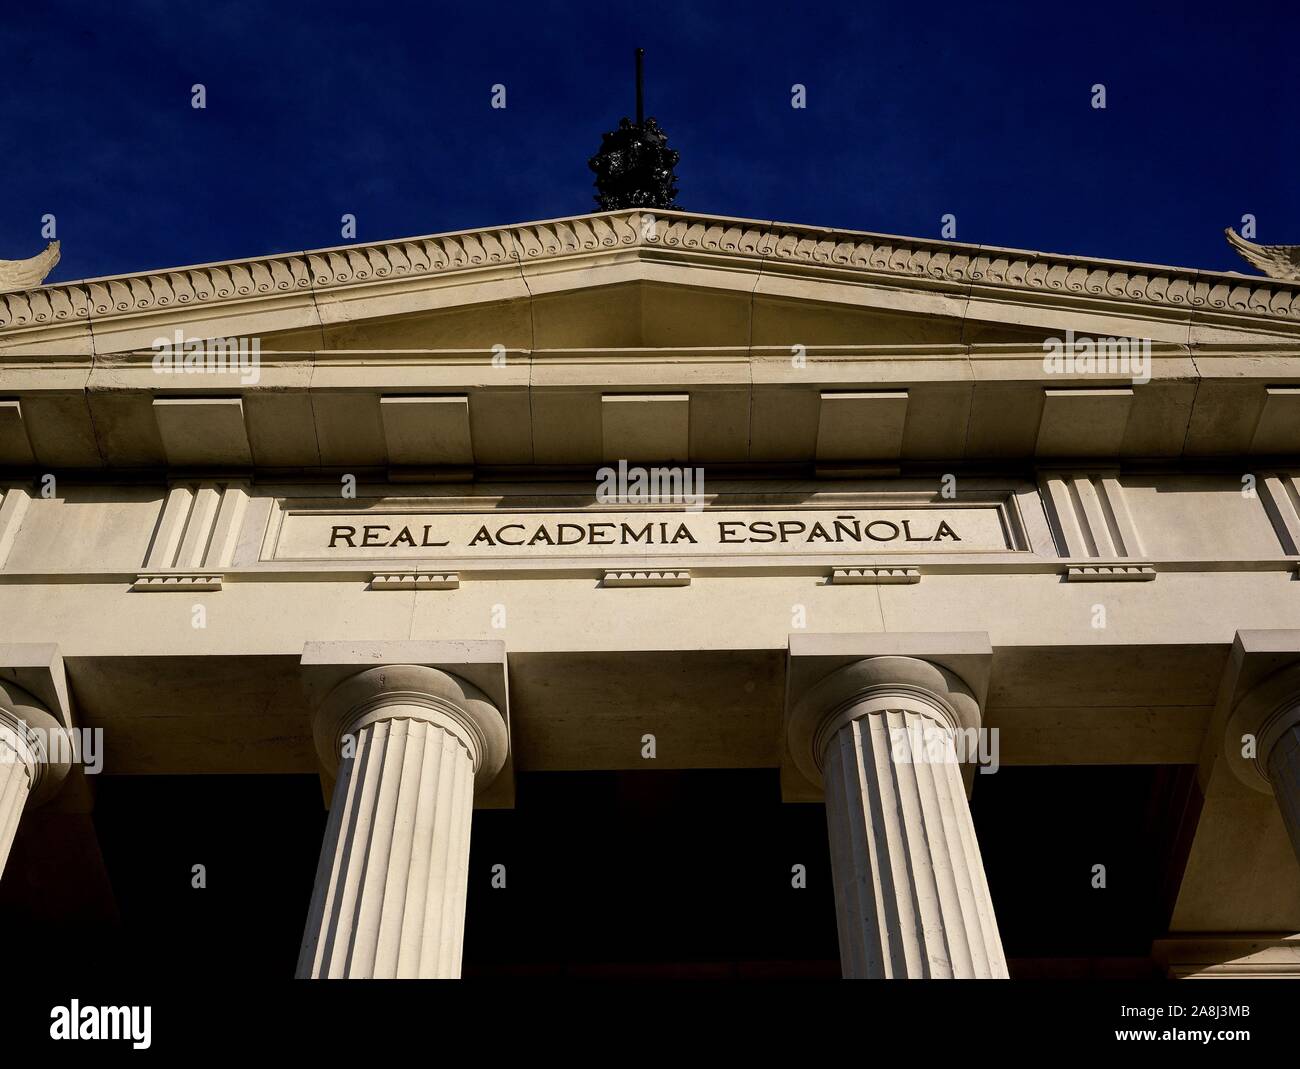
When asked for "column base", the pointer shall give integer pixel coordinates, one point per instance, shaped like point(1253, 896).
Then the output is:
point(1231, 956)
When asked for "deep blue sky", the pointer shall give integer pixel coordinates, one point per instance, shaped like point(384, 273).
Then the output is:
point(382, 110)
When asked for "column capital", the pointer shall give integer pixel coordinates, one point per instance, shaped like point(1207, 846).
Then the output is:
point(37, 740)
point(911, 896)
point(1261, 691)
point(458, 686)
point(834, 679)
point(1265, 713)
point(35, 715)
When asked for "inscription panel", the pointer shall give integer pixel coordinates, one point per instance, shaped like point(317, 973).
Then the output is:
point(385, 534)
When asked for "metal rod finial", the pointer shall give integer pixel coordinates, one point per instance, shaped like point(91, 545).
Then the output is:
point(640, 86)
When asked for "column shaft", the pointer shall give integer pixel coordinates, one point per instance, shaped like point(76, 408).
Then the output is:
point(911, 896)
point(15, 785)
point(36, 754)
point(391, 886)
point(1284, 776)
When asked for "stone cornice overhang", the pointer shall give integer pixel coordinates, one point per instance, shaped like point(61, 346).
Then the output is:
point(549, 409)
point(288, 287)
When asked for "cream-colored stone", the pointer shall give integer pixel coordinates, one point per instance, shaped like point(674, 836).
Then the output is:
point(910, 890)
point(1278, 429)
point(427, 430)
point(856, 425)
point(1084, 422)
point(36, 749)
point(645, 426)
point(389, 900)
point(1229, 957)
point(480, 379)
point(24, 274)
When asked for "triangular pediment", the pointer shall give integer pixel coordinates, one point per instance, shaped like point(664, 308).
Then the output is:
point(740, 342)
point(634, 280)
point(658, 313)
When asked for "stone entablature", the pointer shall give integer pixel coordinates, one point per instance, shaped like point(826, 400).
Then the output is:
point(1091, 524)
point(842, 406)
point(900, 498)
point(667, 337)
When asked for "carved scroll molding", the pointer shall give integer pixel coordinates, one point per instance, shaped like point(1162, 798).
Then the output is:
point(770, 243)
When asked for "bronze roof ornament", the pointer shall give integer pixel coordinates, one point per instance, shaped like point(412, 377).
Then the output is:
point(634, 167)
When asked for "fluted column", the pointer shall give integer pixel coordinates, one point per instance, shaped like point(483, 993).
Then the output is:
point(389, 899)
point(35, 756)
point(911, 896)
point(1284, 778)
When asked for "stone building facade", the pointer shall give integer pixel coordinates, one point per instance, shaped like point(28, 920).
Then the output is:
point(848, 507)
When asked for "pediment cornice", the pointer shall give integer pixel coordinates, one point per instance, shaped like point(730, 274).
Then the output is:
point(663, 237)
